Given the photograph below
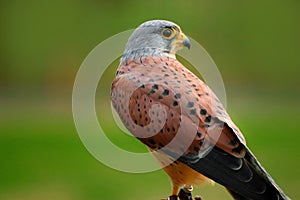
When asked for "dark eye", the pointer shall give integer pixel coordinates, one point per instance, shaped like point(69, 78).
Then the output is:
point(168, 33)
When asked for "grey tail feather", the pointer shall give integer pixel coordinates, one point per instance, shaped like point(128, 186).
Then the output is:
point(260, 169)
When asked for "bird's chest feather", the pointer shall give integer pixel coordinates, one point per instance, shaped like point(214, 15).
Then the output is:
point(155, 97)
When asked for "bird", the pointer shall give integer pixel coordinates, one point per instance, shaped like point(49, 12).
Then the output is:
point(180, 119)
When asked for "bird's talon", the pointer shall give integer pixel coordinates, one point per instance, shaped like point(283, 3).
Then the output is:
point(185, 194)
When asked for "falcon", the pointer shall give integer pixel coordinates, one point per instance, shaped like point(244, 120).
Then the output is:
point(181, 120)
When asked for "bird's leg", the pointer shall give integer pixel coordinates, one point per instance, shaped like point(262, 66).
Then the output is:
point(185, 193)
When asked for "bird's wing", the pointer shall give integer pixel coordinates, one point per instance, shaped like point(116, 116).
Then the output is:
point(182, 96)
point(182, 100)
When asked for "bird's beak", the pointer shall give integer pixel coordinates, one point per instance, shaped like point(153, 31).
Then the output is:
point(184, 40)
point(179, 42)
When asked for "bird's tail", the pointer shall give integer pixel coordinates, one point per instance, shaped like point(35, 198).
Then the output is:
point(272, 190)
point(244, 178)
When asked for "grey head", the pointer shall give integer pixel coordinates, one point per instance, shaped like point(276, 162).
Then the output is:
point(155, 38)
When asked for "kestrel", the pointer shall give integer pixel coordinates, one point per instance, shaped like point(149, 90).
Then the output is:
point(181, 120)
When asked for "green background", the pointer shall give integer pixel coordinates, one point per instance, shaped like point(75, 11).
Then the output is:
point(255, 45)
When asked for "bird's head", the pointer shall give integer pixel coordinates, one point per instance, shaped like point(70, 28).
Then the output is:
point(157, 36)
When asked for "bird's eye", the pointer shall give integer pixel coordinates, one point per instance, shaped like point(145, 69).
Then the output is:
point(168, 33)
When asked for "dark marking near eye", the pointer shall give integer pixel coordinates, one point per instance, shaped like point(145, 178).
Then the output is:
point(199, 95)
point(208, 119)
point(155, 86)
point(189, 80)
point(203, 111)
point(135, 121)
point(160, 97)
point(193, 111)
point(194, 85)
point(175, 103)
point(166, 92)
point(197, 89)
point(142, 86)
point(173, 129)
point(166, 75)
point(190, 104)
point(165, 82)
point(139, 110)
point(165, 67)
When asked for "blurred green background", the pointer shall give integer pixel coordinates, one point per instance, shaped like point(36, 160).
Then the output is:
point(255, 44)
